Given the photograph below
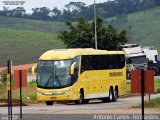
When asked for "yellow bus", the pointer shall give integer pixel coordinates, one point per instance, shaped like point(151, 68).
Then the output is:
point(80, 75)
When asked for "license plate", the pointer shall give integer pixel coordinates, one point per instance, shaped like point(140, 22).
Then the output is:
point(53, 98)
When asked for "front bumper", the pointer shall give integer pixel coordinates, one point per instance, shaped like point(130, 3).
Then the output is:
point(57, 95)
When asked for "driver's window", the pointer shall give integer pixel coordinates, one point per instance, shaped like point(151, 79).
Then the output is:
point(76, 70)
point(76, 59)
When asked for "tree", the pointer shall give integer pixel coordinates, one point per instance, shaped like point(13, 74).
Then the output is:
point(18, 12)
point(41, 13)
point(6, 12)
point(55, 13)
point(81, 35)
point(72, 10)
point(78, 6)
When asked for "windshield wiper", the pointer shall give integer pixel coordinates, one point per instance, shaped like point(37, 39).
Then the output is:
point(58, 80)
point(49, 79)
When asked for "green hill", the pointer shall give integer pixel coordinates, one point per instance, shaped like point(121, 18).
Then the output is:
point(142, 27)
point(145, 28)
point(25, 46)
point(31, 25)
point(24, 40)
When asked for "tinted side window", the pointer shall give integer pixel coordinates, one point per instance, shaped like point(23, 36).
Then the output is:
point(101, 62)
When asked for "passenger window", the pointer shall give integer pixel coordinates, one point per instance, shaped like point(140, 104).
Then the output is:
point(100, 62)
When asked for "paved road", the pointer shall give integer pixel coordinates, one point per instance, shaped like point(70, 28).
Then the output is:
point(81, 112)
point(94, 106)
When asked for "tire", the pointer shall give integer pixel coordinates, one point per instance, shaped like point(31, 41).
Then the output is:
point(111, 95)
point(117, 92)
point(110, 98)
point(49, 103)
point(81, 98)
point(155, 73)
point(86, 101)
point(128, 76)
point(115, 96)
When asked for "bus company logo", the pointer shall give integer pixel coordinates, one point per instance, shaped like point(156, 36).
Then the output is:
point(13, 2)
point(115, 74)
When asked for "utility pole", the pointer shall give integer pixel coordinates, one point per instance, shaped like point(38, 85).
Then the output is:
point(95, 25)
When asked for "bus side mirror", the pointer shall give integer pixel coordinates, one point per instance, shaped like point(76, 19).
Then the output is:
point(34, 68)
point(72, 69)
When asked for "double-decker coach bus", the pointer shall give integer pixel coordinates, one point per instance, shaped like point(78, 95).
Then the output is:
point(80, 75)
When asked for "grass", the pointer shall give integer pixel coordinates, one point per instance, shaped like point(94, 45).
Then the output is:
point(28, 94)
point(156, 87)
point(31, 25)
point(128, 87)
point(25, 46)
point(154, 103)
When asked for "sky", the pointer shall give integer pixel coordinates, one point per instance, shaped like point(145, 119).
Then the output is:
point(29, 4)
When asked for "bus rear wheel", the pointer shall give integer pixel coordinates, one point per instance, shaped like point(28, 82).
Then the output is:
point(86, 101)
point(110, 98)
point(115, 95)
point(49, 102)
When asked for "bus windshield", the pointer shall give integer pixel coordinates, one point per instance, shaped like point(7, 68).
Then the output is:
point(53, 74)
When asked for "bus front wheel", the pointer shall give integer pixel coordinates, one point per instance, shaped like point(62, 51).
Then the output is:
point(49, 102)
point(111, 95)
point(81, 98)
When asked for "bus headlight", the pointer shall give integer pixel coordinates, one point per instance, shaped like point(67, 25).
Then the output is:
point(64, 92)
point(39, 92)
point(54, 93)
point(44, 93)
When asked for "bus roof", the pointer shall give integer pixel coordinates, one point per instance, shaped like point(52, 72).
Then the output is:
point(70, 53)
